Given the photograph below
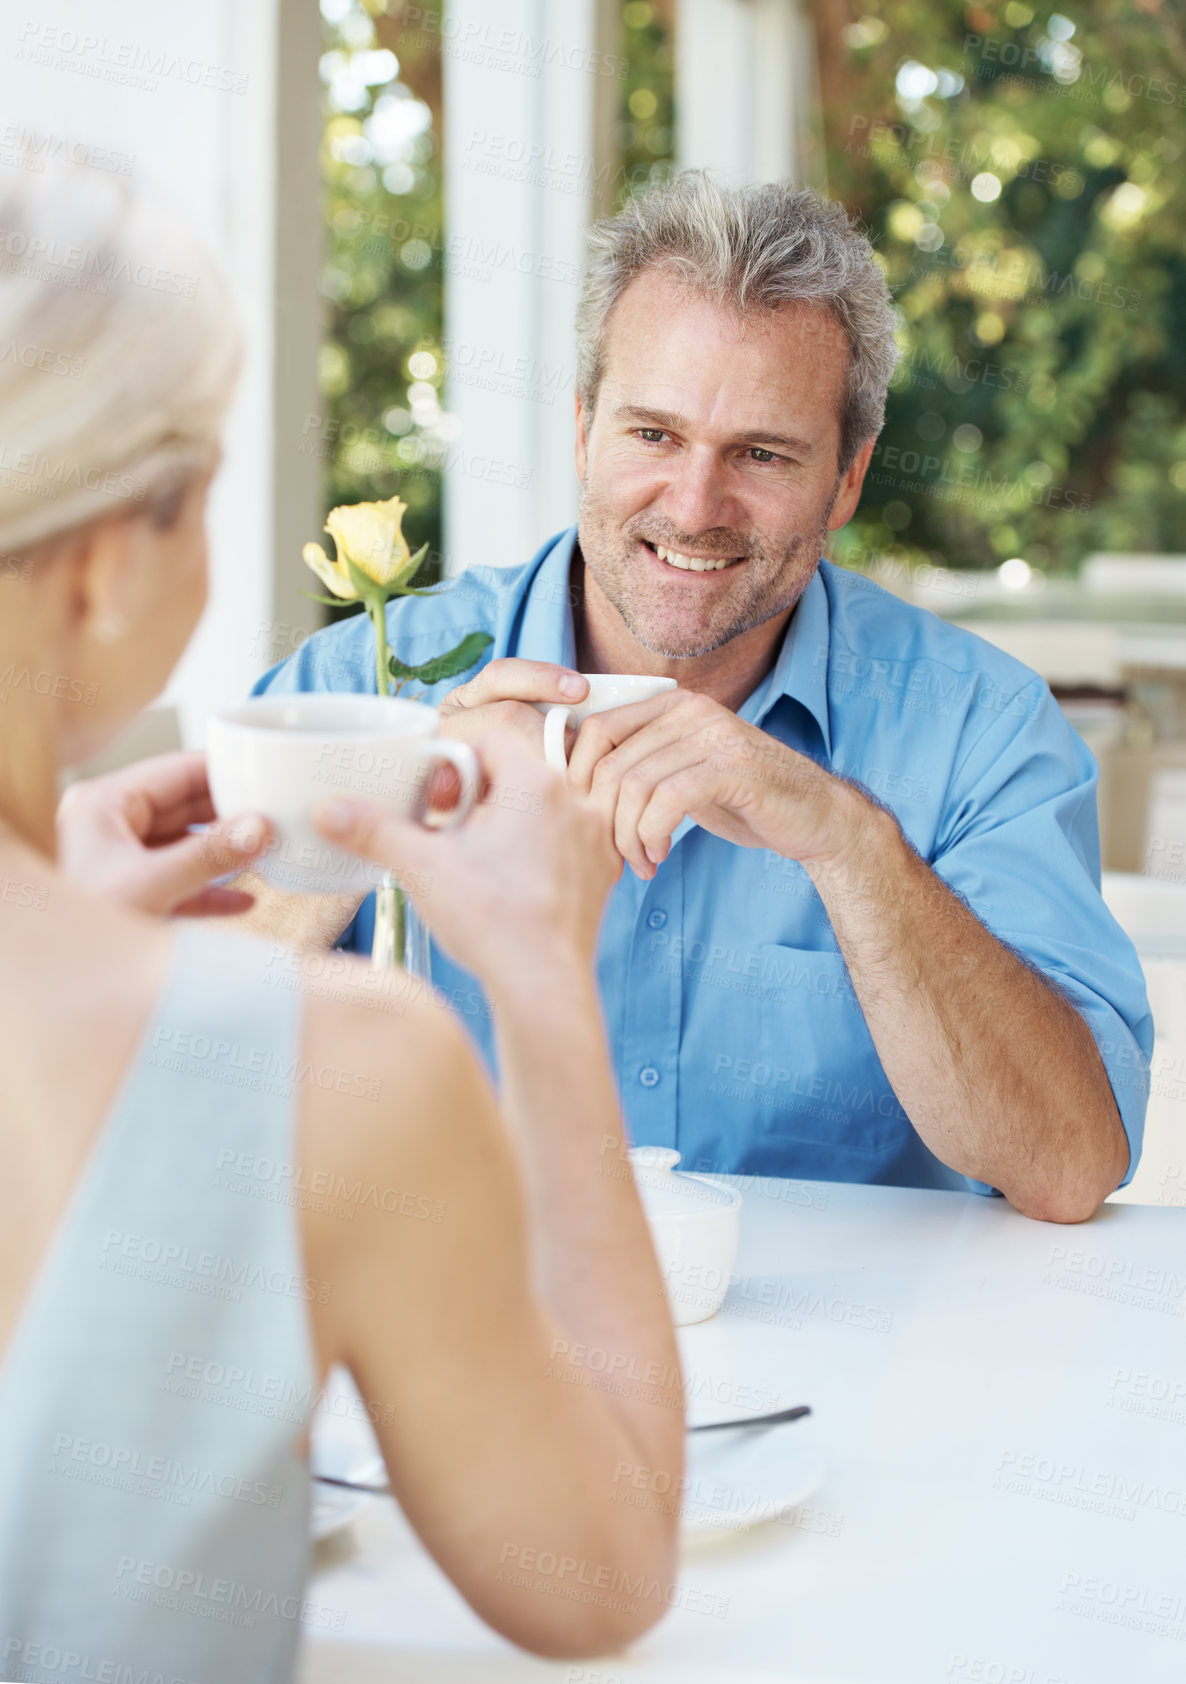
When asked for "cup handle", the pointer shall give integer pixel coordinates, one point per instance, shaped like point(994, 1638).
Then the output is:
point(465, 763)
point(555, 725)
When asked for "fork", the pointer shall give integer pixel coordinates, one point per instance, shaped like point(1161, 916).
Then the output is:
point(776, 1419)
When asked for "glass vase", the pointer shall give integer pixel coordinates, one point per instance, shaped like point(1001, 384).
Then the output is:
point(401, 937)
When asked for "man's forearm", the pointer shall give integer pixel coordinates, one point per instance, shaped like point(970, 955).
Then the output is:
point(296, 921)
point(998, 1073)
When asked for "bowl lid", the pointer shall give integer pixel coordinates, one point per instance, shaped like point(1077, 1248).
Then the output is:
point(664, 1193)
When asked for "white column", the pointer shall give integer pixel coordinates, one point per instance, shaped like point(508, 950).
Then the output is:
point(217, 105)
point(523, 82)
point(745, 88)
point(264, 177)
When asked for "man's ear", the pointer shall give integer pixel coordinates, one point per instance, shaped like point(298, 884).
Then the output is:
point(848, 495)
point(582, 436)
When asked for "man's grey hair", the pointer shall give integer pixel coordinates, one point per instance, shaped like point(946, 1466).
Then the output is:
point(751, 248)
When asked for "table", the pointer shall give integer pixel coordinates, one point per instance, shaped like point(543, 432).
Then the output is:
point(1002, 1407)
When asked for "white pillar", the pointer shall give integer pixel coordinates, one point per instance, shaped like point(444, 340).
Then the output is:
point(524, 84)
point(218, 106)
point(745, 89)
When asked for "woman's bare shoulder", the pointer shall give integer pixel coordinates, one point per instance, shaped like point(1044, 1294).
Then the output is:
point(352, 1008)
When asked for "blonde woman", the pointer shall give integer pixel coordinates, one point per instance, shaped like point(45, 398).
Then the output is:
point(147, 1220)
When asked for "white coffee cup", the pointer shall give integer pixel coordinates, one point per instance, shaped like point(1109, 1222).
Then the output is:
point(606, 690)
point(282, 756)
point(695, 1224)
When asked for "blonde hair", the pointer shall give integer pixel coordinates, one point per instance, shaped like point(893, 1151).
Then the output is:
point(753, 248)
point(119, 350)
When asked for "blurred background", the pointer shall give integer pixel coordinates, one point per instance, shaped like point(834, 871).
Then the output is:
point(399, 192)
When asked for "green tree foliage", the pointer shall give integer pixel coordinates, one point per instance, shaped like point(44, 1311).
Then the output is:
point(646, 120)
point(1021, 172)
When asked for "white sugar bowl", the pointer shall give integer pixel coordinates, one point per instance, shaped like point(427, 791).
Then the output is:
point(695, 1224)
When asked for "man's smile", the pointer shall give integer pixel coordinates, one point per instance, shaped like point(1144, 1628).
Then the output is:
point(690, 563)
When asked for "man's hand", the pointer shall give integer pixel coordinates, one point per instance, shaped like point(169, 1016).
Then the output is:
point(501, 695)
point(126, 836)
point(649, 764)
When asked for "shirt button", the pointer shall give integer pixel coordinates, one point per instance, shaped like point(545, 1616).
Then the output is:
point(656, 919)
point(648, 1076)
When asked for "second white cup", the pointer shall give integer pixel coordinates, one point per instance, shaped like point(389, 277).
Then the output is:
point(606, 690)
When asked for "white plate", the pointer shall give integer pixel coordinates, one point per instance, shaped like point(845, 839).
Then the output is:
point(736, 1480)
point(741, 1479)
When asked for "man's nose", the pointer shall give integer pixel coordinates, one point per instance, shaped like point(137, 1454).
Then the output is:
point(697, 496)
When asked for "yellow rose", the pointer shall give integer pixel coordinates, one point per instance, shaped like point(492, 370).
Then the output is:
point(368, 536)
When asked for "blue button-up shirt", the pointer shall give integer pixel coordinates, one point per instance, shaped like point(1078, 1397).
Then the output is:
point(735, 1029)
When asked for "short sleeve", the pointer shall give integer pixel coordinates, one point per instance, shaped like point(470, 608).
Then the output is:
point(1019, 841)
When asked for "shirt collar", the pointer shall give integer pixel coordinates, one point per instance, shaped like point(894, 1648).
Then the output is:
point(545, 633)
point(800, 670)
point(545, 630)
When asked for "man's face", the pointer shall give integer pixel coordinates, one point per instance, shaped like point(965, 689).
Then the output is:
point(713, 438)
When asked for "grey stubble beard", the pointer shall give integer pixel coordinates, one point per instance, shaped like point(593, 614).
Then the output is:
point(780, 585)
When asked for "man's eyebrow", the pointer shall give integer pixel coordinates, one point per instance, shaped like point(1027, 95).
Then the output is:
point(669, 421)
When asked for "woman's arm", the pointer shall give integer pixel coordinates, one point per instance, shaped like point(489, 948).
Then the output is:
point(508, 1323)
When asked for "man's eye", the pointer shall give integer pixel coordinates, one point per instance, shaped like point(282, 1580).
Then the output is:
point(758, 454)
point(652, 435)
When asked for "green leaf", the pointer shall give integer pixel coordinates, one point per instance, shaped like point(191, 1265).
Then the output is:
point(449, 665)
point(414, 563)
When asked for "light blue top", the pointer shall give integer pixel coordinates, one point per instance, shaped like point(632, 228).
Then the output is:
point(153, 1497)
point(733, 1023)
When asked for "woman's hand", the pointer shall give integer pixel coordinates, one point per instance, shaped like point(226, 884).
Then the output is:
point(522, 879)
point(125, 836)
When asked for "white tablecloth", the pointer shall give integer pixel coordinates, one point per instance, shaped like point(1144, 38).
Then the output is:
point(1001, 1405)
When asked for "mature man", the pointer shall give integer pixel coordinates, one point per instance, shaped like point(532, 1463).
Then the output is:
point(862, 937)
